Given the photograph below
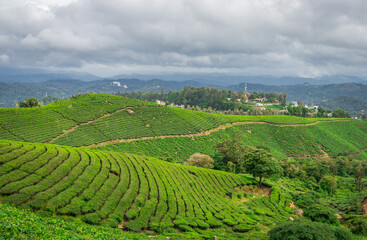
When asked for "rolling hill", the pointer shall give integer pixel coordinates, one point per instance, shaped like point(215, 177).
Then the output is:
point(128, 191)
point(47, 166)
point(97, 118)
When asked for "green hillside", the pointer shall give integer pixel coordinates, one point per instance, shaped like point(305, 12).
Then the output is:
point(97, 159)
point(331, 138)
point(21, 224)
point(133, 192)
point(97, 118)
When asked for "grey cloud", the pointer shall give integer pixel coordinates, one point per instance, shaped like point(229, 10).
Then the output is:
point(287, 37)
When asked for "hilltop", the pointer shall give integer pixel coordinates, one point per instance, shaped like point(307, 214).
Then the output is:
point(100, 118)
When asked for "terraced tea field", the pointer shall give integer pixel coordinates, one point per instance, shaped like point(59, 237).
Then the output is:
point(283, 141)
point(126, 187)
point(97, 118)
point(114, 189)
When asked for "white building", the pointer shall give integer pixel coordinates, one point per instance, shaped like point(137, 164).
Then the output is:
point(160, 102)
point(116, 83)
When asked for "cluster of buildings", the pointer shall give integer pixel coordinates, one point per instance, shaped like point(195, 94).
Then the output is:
point(118, 84)
point(172, 105)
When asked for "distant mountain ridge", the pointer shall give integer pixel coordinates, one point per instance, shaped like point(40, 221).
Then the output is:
point(68, 87)
point(321, 95)
point(15, 75)
point(12, 75)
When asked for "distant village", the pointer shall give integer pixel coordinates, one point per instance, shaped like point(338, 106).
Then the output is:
point(259, 103)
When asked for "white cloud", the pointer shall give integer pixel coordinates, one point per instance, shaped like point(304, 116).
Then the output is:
point(4, 58)
point(280, 37)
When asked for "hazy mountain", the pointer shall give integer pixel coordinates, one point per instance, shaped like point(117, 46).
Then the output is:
point(354, 106)
point(66, 88)
point(228, 79)
point(11, 75)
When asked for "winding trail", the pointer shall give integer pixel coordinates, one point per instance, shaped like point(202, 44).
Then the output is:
point(207, 132)
point(91, 121)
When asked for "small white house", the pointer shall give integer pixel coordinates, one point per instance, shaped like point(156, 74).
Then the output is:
point(160, 102)
point(116, 83)
point(259, 104)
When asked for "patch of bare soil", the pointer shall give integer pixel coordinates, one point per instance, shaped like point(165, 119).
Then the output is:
point(364, 206)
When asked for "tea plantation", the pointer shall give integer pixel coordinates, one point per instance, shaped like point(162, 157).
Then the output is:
point(98, 159)
point(332, 138)
point(133, 192)
point(97, 118)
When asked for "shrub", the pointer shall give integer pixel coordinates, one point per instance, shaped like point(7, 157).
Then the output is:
point(307, 230)
point(242, 228)
point(110, 222)
point(342, 233)
point(201, 224)
point(320, 213)
point(200, 160)
point(92, 218)
point(230, 222)
point(304, 200)
point(358, 224)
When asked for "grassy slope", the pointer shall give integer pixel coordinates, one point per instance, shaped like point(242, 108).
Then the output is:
point(137, 192)
point(334, 138)
point(42, 124)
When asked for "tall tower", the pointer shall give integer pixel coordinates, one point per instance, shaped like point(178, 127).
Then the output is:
point(246, 93)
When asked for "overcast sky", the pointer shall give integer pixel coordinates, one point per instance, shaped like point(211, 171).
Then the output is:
point(306, 38)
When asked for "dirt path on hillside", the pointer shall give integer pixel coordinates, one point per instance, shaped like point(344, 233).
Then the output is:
point(325, 155)
point(222, 127)
point(73, 128)
point(358, 153)
point(364, 206)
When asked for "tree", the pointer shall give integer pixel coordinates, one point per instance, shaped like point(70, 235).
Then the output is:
point(340, 113)
point(359, 172)
point(48, 100)
point(319, 213)
point(328, 183)
point(200, 160)
point(299, 102)
point(29, 102)
point(233, 150)
point(260, 163)
point(307, 230)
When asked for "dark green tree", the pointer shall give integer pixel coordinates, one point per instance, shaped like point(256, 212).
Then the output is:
point(328, 184)
point(319, 213)
point(307, 230)
point(359, 172)
point(260, 163)
point(29, 102)
point(340, 113)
